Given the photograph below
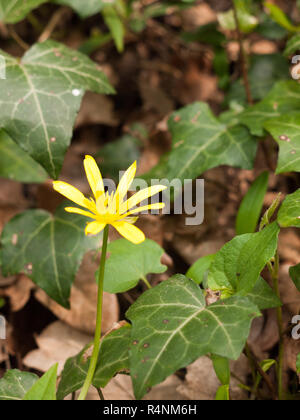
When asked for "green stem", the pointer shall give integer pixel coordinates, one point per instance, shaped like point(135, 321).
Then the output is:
point(94, 358)
point(275, 276)
point(146, 282)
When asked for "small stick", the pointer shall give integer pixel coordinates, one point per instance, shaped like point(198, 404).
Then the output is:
point(17, 38)
point(54, 21)
point(243, 56)
point(262, 373)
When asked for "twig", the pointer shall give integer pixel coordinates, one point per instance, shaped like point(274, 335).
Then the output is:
point(17, 38)
point(100, 394)
point(242, 56)
point(275, 277)
point(262, 373)
point(54, 21)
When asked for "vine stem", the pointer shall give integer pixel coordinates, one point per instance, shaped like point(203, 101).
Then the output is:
point(242, 55)
point(97, 338)
point(275, 277)
point(143, 278)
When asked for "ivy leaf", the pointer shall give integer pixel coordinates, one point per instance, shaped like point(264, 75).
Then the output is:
point(15, 384)
point(41, 96)
point(16, 164)
point(289, 212)
point(284, 98)
point(85, 8)
point(237, 266)
point(172, 327)
point(292, 46)
point(47, 248)
point(295, 275)
point(129, 263)
point(200, 142)
point(285, 131)
point(12, 11)
point(113, 358)
point(199, 270)
point(45, 388)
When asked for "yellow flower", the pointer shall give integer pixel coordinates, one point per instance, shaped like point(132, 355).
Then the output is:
point(110, 209)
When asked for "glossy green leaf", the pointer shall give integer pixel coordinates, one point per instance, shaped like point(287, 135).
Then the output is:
point(289, 212)
point(263, 296)
point(199, 270)
point(251, 206)
point(237, 266)
point(247, 21)
point(129, 263)
point(12, 11)
point(267, 217)
point(16, 164)
point(295, 275)
point(45, 388)
point(49, 249)
point(41, 96)
point(285, 131)
point(293, 45)
point(84, 8)
point(113, 358)
point(200, 142)
point(280, 17)
point(15, 384)
point(222, 368)
point(116, 26)
point(284, 98)
point(172, 327)
point(264, 71)
point(223, 393)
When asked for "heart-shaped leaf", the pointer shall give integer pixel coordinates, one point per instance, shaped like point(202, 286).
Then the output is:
point(15, 384)
point(237, 266)
point(285, 131)
point(113, 358)
point(295, 275)
point(41, 96)
point(172, 327)
point(199, 270)
point(12, 11)
point(289, 212)
point(16, 164)
point(45, 388)
point(47, 248)
point(129, 263)
point(284, 98)
point(201, 142)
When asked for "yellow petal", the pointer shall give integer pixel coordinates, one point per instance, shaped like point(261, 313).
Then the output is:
point(141, 196)
point(70, 192)
point(93, 175)
point(124, 184)
point(94, 227)
point(155, 206)
point(130, 232)
point(79, 211)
